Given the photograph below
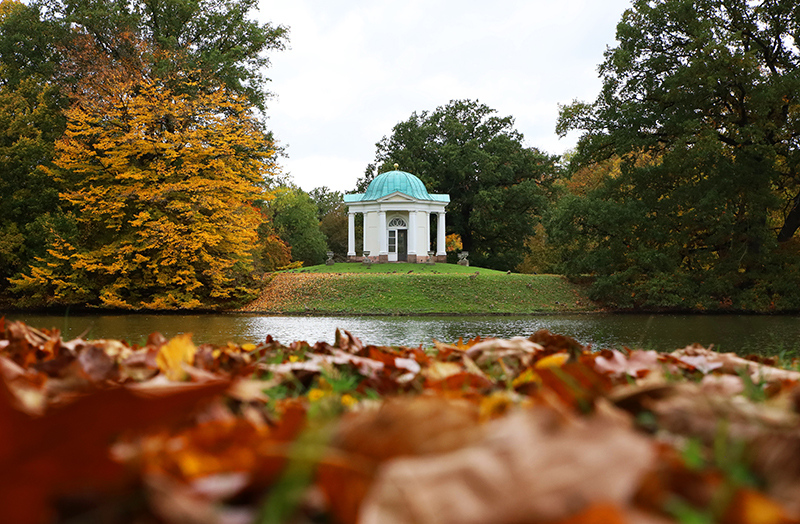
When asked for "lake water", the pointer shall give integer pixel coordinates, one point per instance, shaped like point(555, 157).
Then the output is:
point(739, 333)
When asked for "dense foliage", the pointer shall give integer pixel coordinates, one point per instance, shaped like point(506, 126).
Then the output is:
point(332, 216)
point(497, 186)
point(31, 119)
point(162, 211)
point(294, 216)
point(137, 159)
point(215, 40)
point(699, 112)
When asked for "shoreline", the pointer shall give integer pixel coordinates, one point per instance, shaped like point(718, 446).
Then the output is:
point(444, 291)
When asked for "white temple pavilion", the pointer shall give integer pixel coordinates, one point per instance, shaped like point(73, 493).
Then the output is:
point(397, 209)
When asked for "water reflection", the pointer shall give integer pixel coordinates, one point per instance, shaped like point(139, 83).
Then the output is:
point(739, 333)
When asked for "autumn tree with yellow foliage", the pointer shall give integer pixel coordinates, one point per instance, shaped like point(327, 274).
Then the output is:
point(137, 152)
point(162, 186)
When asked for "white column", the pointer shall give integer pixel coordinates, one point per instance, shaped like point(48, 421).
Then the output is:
point(364, 233)
point(440, 241)
point(351, 234)
point(427, 217)
point(383, 241)
point(412, 232)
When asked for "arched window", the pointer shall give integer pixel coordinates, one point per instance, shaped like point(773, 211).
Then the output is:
point(397, 222)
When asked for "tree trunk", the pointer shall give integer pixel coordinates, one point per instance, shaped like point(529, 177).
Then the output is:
point(792, 222)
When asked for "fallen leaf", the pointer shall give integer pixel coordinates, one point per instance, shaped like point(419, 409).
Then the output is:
point(441, 370)
point(734, 364)
point(556, 360)
point(751, 507)
point(67, 450)
point(531, 466)
point(517, 351)
point(576, 384)
point(599, 513)
point(174, 354)
point(636, 365)
point(408, 426)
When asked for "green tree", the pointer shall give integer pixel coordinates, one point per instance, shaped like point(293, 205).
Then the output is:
point(294, 216)
point(31, 120)
point(707, 92)
point(332, 216)
point(326, 200)
point(214, 41)
point(497, 186)
point(27, 43)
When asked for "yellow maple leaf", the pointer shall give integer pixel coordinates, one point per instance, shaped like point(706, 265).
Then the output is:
point(173, 354)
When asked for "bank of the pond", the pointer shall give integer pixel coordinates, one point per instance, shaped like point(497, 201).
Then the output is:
point(416, 289)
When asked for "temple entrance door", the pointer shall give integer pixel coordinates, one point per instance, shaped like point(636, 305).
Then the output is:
point(402, 245)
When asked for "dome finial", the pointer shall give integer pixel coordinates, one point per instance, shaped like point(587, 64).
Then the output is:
point(396, 165)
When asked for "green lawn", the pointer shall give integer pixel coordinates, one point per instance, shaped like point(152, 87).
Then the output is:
point(415, 289)
point(396, 268)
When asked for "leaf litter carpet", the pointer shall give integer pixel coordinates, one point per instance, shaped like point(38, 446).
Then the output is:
point(524, 430)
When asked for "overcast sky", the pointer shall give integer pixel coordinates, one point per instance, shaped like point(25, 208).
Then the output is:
point(355, 68)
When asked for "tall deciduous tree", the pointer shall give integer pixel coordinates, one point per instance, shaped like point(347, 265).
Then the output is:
point(294, 216)
point(31, 120)
point(182, 53)
point(332, 215)
point(709, 89)
point(497, 186)
point(27, 43)
point(161, 185)
point(214, 40)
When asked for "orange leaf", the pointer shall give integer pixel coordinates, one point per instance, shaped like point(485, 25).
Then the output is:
point(599, 513)
point(345, 479)
point(67, 450)
point(576, 384)
point(459, 382)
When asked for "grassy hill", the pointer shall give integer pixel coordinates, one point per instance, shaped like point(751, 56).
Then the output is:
point(415, 289)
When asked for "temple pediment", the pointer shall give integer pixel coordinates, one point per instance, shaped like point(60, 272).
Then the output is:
point(396, 197)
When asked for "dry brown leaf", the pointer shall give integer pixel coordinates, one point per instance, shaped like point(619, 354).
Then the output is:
point(531, 466)
point(192, 503)
point(345, 479)
point(725, 385)
point(97, 365)
point(776, 458)
point(637, 364)
point(441, 370)
point(733, 364)
point(517, 351)
point(345, 341)
point(408, 426)
point(771, 432)
point(556, 343)
point(575, 383)
point(248, 390)
point(688, 410)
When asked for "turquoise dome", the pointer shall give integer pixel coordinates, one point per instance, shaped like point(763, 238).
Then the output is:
point(394, 182)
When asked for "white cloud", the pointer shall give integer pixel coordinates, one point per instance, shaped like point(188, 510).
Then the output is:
point(356, 68)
